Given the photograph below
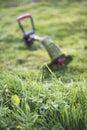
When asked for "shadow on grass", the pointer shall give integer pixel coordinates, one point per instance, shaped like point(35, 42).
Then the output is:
point(30, 48)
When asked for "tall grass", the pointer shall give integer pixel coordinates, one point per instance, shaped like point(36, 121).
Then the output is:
point(52, 105)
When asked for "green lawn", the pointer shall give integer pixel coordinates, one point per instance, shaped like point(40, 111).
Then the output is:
point(43, 101)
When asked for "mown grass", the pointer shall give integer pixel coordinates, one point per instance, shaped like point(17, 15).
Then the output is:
point(48, 101)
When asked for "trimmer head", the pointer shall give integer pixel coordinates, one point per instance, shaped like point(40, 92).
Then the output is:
point(60, 62)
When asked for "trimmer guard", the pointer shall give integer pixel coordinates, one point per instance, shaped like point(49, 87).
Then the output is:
point(60, 62)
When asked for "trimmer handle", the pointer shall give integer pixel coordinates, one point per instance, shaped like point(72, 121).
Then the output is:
point(22, 17)
point(29, 33)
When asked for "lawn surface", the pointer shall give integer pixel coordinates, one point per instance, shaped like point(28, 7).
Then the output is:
point(43, 101)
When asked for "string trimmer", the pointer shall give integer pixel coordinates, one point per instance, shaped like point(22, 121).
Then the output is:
point(58, 58)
